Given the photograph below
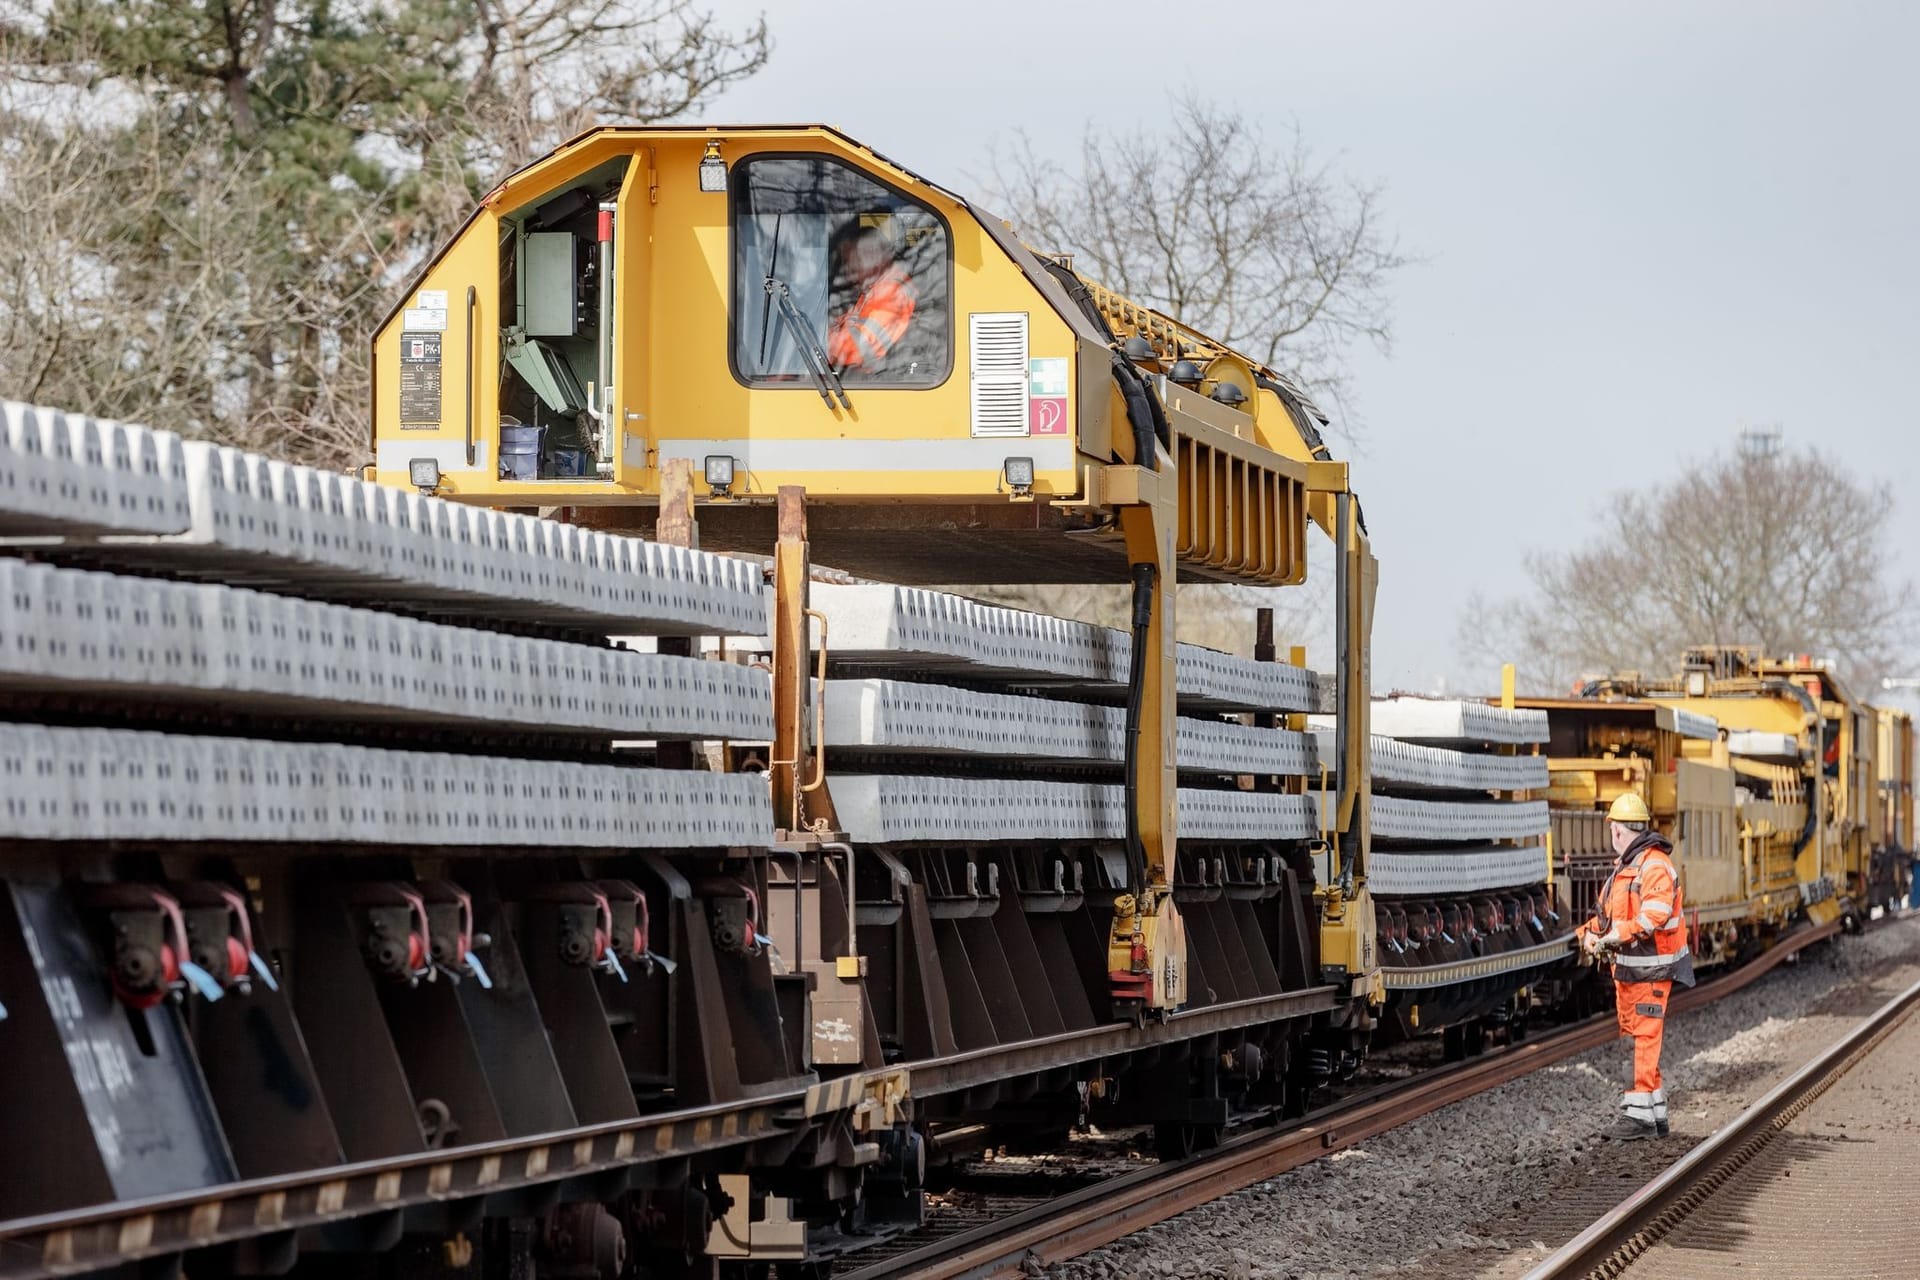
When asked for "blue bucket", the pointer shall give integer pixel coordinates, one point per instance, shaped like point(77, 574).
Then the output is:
point(570, 461)
point(520, 451)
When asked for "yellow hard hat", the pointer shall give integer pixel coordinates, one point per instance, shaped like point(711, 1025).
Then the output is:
point(1629, 807)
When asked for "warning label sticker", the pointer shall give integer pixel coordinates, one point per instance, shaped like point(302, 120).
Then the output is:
point(419, 381)
point(1047, 396)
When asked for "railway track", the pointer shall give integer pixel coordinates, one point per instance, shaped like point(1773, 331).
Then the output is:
point(1067, 1226)
point(1733, 1204)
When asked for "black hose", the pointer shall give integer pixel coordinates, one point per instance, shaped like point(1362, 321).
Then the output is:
point(1298, 409)
point(1144, 411)
point(1082, 296)
point(1144, 414)
point(1143, 579)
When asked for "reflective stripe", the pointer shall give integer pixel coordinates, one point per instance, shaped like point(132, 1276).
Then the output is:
point(1646, 925)
point(878, 342)
point(865, 351)
point(1649, 962)
point(1660, 910)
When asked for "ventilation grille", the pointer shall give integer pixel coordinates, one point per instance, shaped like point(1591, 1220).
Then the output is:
point(997, 348)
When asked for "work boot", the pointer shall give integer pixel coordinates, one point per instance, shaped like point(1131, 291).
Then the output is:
point(1627, 1129)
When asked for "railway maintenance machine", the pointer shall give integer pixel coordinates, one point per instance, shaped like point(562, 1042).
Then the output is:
point(780, 316)
point(801, 349)
point(418, 869)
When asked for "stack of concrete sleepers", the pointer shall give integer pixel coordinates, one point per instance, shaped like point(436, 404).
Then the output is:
point(955, 720)
point(1445, 811)
point(284, 606)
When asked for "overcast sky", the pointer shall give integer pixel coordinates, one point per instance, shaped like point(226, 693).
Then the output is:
point(1645, 227)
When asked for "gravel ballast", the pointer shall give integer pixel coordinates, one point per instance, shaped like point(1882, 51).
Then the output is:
point(1489, 1186)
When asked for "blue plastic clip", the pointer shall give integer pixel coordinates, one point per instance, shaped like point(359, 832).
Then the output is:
point(200, 980)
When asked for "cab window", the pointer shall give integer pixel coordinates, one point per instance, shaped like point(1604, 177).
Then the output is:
point(830, 264)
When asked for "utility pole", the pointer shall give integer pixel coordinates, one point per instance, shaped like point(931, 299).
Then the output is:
point(1760, 443)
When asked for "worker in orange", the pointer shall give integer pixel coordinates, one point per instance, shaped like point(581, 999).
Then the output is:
point(1640, 925)
point(862, 337)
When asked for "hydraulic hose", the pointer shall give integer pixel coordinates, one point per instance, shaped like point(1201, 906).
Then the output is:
point(1143, 580)
point(1144, 413)
point(1082, 297)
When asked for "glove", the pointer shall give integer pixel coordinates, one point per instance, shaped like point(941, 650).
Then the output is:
point(1594, 943)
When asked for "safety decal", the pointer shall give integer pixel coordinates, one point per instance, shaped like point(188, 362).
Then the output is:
point(1047, 396)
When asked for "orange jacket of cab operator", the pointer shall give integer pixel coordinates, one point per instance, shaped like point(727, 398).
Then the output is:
point(1642, 899)
point(862, 337)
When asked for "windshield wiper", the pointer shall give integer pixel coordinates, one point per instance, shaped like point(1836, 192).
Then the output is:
point(808, 341)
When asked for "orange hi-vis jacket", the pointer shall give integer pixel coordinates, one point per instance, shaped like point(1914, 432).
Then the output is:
point(1642, 897)
point(862, 337)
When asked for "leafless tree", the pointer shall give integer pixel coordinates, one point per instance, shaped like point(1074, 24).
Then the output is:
point(1783, 549)
point(1255, 241)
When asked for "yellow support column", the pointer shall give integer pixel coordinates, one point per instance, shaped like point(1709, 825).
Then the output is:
point(1147, 949)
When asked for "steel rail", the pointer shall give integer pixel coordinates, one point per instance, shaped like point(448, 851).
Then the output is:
point(1094, 1216)
point(1611, 1244)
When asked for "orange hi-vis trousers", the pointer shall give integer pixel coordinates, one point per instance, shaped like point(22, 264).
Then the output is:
point(1643, 1015)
